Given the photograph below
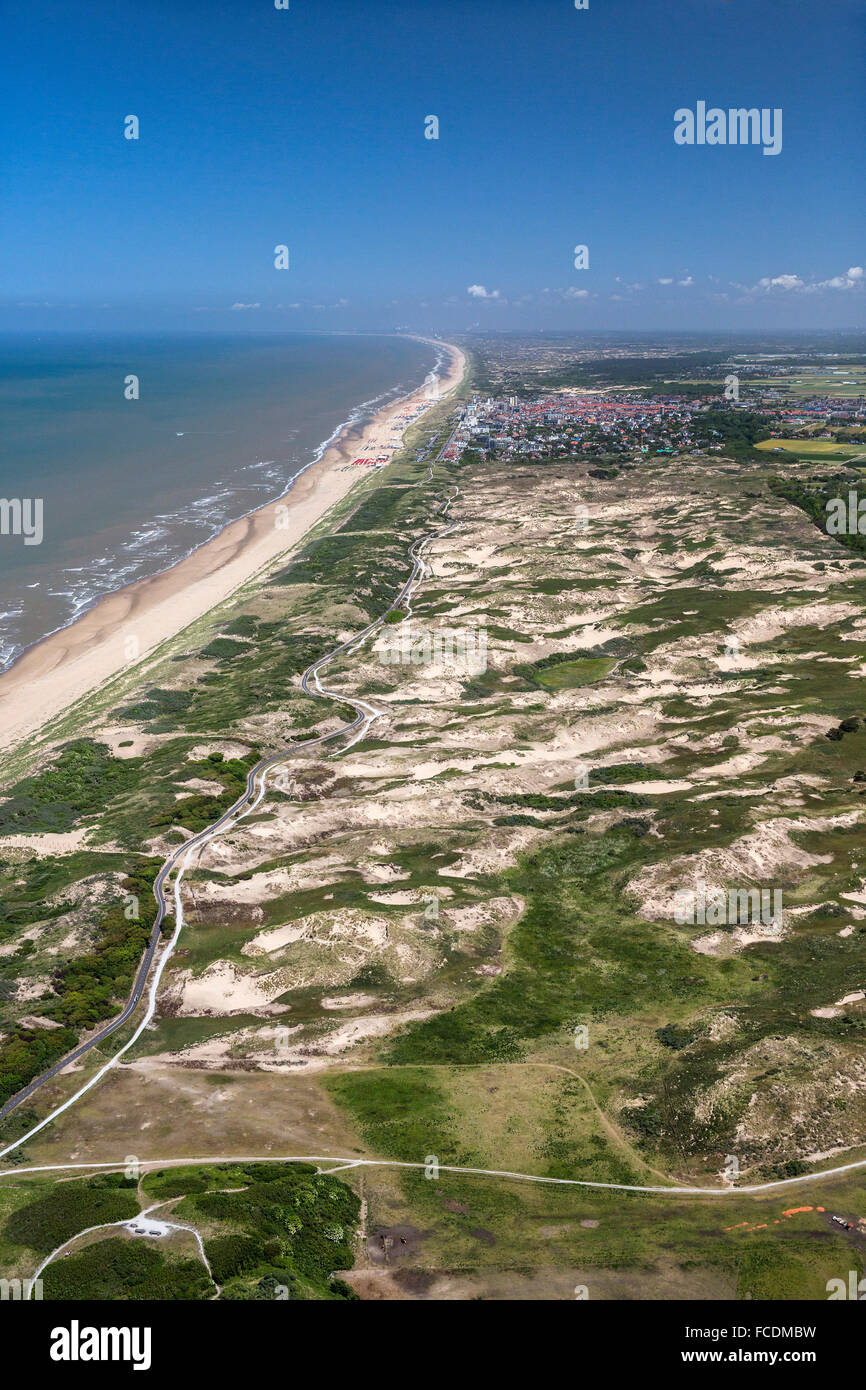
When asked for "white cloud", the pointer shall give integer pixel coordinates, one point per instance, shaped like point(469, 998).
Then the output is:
point(561, 292)
point(689, 280)
point(246, 306)
point(480, 292)
point(781, 282)
point(851, 280)
point(666, 280)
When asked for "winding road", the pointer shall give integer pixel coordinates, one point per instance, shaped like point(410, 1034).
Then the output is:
point(247, 802)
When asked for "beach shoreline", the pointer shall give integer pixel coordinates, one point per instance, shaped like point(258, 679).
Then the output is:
point(72, 662)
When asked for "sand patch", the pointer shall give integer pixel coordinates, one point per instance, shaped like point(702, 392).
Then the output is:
point(48, 844)
point(228, 747)
point(347, 924)
point(773, 621)
point(748, 861)
point(654, 788)
point(382, 873)
point(348, 1001)
point(317, 1055)
point(35, 988)
point(495, 911)
point(498, 853)
point(834, 1010)
point(223, 989)
point(199, 784)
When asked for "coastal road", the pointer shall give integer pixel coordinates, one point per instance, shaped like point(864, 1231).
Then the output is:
point(162, 906)
point(179, 859)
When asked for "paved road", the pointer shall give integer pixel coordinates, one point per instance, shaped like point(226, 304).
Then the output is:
point(253, 793)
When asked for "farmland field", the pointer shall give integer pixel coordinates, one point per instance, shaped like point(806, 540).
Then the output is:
point(831, 381)
point(816, 449)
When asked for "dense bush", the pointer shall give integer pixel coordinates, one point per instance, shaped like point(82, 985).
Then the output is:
point(224, 648)
point(26, 1052)
point(738, 430)
point(158, 704)
point(89, 989)
point(813, 501)
point(199, 810)
point(82, 778)
point(672, 1035)
point(311, 1216)
point(230, 1255)
point(48, 1221)
point(125, 1269)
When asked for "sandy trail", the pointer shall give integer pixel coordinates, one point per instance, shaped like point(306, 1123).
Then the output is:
point(71, 663)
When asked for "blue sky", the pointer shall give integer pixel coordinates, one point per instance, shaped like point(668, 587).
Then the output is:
point(305, 127)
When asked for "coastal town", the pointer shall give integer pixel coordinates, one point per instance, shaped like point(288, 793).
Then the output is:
point(625, 424)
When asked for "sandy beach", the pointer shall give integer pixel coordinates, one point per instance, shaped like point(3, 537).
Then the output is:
point(71, 663)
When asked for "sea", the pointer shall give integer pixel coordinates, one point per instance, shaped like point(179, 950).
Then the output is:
point(141, 448)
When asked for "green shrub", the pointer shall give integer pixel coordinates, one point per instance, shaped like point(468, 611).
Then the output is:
point(228, 1255)
point(48, 1221)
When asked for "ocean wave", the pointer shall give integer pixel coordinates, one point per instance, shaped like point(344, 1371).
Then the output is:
point(169, 537)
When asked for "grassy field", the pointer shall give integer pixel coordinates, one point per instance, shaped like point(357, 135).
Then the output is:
point(830, 381)
point(568, 674)
point(818, 449)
